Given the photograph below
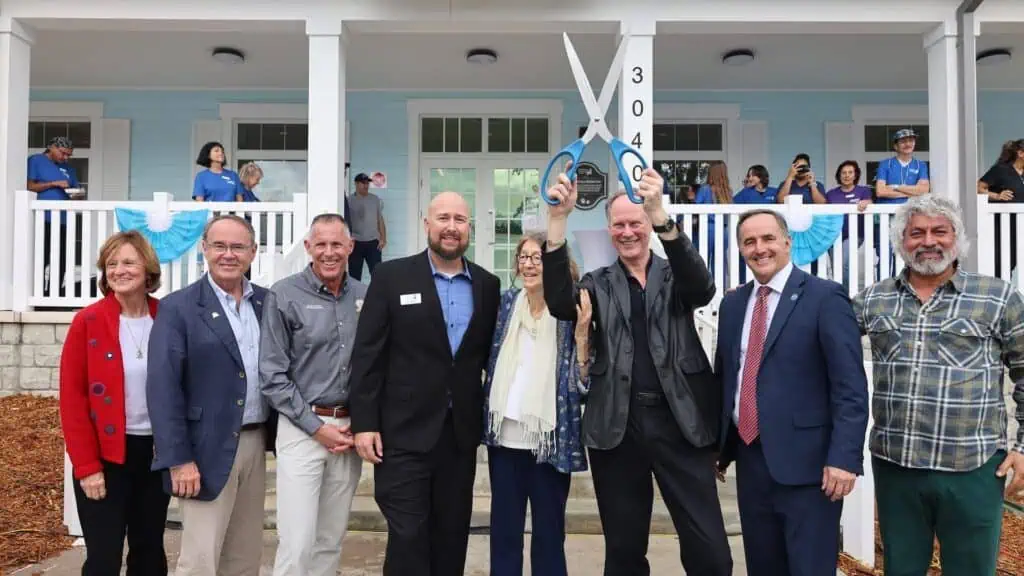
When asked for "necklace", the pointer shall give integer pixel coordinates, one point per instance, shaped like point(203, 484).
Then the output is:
point(138, 346)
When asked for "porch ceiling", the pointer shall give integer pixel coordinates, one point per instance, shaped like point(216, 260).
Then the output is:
point(277, 56)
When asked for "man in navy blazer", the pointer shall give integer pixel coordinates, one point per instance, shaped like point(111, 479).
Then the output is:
point(211, 424)
point(794, 404)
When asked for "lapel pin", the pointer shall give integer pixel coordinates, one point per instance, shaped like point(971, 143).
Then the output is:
point(259, 302)
point(214, 315)
point(793, 297)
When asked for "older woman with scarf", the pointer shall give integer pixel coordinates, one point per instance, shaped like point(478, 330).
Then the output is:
point(536, 380)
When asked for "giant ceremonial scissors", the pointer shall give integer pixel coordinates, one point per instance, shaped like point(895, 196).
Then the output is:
point(596, 110)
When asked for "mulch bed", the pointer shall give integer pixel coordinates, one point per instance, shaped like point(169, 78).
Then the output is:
point(1011, 552)
point(31, 481)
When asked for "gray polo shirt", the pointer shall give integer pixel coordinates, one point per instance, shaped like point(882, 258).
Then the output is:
point(364, 212)
point(306, 345)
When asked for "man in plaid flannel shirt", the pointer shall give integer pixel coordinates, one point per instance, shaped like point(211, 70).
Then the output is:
point(940, 337)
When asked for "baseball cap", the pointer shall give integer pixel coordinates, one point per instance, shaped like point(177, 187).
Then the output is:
point(904, 133)
point(362, 177)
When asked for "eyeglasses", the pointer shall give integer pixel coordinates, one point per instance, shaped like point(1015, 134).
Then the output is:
point(220, 248)
point(534, 258)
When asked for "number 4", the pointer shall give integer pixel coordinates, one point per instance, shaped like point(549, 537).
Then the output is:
point(636, 142)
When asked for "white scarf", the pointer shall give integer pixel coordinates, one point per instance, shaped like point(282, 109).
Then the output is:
point(538, 411)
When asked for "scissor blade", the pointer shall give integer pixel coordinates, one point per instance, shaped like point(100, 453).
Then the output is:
point(582, 83)
point(608, 90)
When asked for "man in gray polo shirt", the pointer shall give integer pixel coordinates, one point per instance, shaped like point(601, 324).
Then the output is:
point(309, 325)
point(368, 230)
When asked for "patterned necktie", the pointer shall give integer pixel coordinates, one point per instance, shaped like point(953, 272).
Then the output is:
point(755, 349)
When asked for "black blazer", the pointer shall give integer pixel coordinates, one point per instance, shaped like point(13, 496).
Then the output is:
point(402, 365)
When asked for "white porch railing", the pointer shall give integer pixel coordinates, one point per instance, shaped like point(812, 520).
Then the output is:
point(279, 227)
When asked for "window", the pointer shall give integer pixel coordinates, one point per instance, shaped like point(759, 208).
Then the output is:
point(40, 132)
point(878, 146)
point(280, 149)
point(447, 135)
point(683, 153)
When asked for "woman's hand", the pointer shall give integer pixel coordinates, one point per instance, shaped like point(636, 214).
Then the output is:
point(584, 313)
point(94, 486)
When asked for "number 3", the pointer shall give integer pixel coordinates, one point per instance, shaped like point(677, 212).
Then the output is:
point(638, 75)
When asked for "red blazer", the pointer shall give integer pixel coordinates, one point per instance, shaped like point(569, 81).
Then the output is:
point(92, 413)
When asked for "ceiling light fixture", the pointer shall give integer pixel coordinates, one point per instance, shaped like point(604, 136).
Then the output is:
point(738, 57)
point(482, 56)
point(226, 55)
point(993, 56)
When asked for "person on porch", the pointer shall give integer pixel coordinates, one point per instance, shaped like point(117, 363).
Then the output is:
point(368, 229)
point(533, 394)
point(902, 176)
point(308, 329)
point(50, 176)
point(942, 340)
point(653, 402)
point(848, 191)
point(1004, 183)
point(211, 425)
point(756, 187)
point(249, 177)
point(216, 183)
point(800, 180)
point(105, 417)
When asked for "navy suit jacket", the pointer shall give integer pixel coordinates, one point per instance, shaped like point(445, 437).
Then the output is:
point(195, 382)
point(812, 394)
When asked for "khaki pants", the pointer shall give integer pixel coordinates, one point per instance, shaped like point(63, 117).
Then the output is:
point(224, 537)
point(314, 496)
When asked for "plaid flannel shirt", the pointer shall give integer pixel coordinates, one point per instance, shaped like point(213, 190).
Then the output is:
point(938, 401)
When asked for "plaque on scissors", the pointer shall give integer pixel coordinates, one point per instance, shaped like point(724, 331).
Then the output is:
point(591, 185)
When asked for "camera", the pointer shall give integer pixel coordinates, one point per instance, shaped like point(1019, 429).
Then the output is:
point(803, 169)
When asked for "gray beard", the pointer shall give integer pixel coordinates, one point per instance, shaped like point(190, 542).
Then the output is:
point(931, 267)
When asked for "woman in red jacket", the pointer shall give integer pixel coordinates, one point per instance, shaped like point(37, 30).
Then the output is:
point(104, 416)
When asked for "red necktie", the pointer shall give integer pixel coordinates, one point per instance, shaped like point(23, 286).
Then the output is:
point(755, 349)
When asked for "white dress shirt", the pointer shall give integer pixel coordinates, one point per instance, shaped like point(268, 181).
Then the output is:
point(777, 284)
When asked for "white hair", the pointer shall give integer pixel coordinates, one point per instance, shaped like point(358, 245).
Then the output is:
point(932, 206)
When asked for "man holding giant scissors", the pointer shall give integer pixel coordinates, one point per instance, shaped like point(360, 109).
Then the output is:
point(653, 401)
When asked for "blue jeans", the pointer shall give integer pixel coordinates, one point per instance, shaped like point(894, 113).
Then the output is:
point(515, 478)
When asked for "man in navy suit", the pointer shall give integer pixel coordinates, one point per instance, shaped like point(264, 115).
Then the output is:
point(794, 405)
point(211, 424)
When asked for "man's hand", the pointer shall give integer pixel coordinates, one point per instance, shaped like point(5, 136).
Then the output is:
point(60, 184)
point(369, 447)
point(837, 483)
point(185, 480)
point(94, 486)
point(564, 193)
point(720, 471)
point(330, 436)
point(348, 441)
point(650, 188)
point(1013, 461)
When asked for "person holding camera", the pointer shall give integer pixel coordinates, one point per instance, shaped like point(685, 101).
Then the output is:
point(800, 180)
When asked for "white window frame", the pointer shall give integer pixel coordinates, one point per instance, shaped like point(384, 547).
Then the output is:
point(497, 107)
point(66, 111)
point(233, 114)
point(727, 115)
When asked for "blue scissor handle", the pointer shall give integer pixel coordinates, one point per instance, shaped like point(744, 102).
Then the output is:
point(574, 150)
point(620, 149)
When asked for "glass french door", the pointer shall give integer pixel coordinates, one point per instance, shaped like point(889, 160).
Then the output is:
point(504, 202)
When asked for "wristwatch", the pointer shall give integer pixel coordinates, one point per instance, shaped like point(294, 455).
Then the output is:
point(668, 226)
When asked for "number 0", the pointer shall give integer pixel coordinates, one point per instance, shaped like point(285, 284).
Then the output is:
point(638, 75)
point(638, 108)
point(638, 172)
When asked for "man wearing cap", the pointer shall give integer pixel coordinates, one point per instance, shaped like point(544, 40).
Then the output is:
point(902, 176)
point(49, 176)
point(367, 220)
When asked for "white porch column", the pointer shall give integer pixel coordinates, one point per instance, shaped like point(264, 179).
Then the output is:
point(15, 55)
point(326, 156)
point(636, 93)
point(943, 111)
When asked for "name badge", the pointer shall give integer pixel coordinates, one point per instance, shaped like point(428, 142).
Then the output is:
point(409, 299)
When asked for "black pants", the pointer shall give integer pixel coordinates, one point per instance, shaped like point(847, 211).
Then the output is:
point(427, 500)
point(61, 231)
point(788, 530)
point(368, 251)
point(135, 506)
point(515, 478)
point(685, 475)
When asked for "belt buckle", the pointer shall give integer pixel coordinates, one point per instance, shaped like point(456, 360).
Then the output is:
point(334, 412)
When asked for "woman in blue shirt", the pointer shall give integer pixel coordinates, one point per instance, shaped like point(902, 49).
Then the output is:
point(249, 177)
point(716, 191)
point(216, 183)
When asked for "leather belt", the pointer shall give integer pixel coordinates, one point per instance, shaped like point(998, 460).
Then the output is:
point(339, 411)
point(252, 426)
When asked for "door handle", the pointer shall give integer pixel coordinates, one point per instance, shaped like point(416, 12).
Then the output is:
point(494, 224)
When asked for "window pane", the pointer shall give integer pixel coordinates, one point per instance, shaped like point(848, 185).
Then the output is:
point(709, 137)
point(471, 135)
point(871, 171)
point(296, 137)
point(281, 179)
point(664, 137)
point(451, 134)
point(497, 134)
point(922, 138)
point(53, 130)
point(518, 129)
point(876, 139)
point(80, 134)
point(687, 137)
point(432, 135)
point(272, 137)
point(537, 135)
point(36, 139)
point(248, 136)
